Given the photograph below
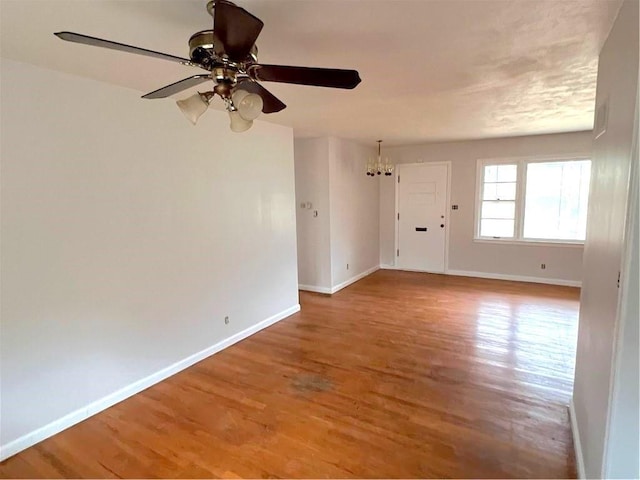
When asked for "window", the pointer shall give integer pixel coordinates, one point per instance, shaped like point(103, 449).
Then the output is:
point(498, 210)
point(533, 200)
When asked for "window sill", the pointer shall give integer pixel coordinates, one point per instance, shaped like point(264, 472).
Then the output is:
point(530, 243)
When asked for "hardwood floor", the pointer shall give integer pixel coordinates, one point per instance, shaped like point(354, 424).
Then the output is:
point(400, 375)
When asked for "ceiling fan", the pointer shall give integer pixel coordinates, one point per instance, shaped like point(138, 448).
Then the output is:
point(229, 53)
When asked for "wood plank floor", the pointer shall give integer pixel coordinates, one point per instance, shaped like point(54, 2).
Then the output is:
point(400, 375)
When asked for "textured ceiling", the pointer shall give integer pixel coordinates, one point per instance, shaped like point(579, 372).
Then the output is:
point(432, 70)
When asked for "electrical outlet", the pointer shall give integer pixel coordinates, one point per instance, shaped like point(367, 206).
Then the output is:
point(543, 266)
point(226, 320)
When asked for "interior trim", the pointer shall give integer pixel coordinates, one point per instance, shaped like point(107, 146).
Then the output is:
point(340, 286)
point(517, 278)
point(576, 440)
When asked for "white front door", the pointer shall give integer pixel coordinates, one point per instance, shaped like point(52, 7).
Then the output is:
point(421, 217)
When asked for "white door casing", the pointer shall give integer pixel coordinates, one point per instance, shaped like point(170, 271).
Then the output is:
point(422, 197)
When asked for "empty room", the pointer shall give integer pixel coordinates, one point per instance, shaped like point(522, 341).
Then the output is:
point(319, 239)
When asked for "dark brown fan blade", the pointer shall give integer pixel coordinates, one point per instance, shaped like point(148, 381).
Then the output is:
point(320, 77)
point(271, 103)
point(98, 42)
point(169, 90)
point(236, 28)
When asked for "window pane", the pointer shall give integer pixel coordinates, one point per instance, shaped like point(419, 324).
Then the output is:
point(496, 228)
point(491, 173)
point(490, 191)
point(556, 200)
point(507, 173)
point(506, 191)
point(498, 210)
point(499, 191)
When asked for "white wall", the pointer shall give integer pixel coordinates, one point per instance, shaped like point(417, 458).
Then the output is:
point(623, 442)
point(354, 211)
point(617, 85)
point(312, 186)
point(563, 263)
point(330, 174)
point(127, 236)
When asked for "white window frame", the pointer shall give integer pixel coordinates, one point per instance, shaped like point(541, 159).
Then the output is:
point(521, 186)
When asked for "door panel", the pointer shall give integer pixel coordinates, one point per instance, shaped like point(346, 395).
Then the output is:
point(422, 208)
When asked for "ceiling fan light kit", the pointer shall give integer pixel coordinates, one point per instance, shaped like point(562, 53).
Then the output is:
point(249, 105)
point(194, 106)
point(238, 124)
point(230, 55)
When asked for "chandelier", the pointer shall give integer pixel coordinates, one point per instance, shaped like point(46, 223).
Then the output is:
point(378, 167)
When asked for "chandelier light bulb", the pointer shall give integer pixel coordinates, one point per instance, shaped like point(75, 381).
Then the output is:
point(370, 167)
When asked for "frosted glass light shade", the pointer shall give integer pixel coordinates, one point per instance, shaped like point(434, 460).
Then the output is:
point(193, 107)
point(249, 105)
point(239, 124)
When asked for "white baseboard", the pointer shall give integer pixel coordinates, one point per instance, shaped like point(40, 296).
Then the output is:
point(499, 276)
point(360, 276)
point(516, 278)
point(313, 288)
point(576, 440)
point(81, 414)
point(340, 286)
point(393, 267)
